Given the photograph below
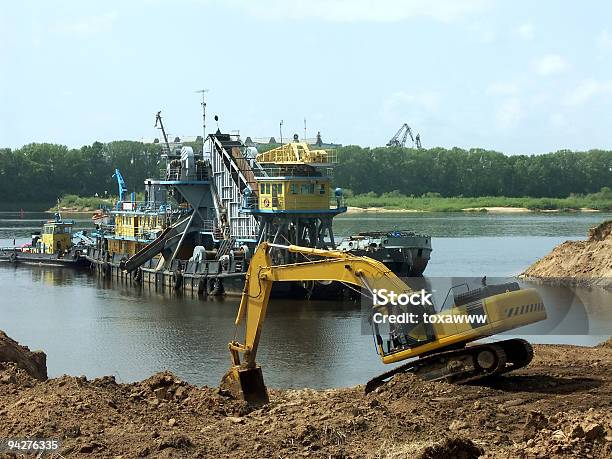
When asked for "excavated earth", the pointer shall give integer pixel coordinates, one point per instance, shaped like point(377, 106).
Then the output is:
point(586, 263)
point(559, 406)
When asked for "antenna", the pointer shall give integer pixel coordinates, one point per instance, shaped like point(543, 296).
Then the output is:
point(304, 139)
point(203, 92)
point(281, 131)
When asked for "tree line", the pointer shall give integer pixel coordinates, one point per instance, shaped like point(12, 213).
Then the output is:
point(476, 172)
point(42, 172)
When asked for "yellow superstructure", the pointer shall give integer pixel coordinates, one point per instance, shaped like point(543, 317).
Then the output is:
point(56, 237)
point(133, 231)
point(293, 180)
point(291, 193)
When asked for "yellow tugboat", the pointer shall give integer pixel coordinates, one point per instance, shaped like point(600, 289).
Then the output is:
point(53, 246)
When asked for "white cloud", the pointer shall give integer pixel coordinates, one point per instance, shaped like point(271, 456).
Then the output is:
point(503, 88)
point(587, 90)
point(526, 31)
point(509, 113)
point(604, 40)
point(88, 25)
point(551, 64)
point(361, 10)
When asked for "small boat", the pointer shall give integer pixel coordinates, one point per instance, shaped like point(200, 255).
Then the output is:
point(100, 217)
point(53, 247)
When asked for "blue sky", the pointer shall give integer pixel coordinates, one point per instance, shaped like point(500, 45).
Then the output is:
point(514, 76)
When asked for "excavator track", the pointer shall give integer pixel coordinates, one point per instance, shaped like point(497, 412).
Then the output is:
point(465, 365)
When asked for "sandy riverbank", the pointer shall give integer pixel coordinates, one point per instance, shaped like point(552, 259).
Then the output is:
point(508, 210)
point(586, 263)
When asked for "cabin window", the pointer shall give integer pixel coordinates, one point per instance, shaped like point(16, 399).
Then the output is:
point(322, 189)
point(280, 188)
point(293, 188)
point(262, 188)
point(274, 189)
point(307, 188)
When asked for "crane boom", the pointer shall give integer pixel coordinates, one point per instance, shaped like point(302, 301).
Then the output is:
point(121, 184)
point(401, 136)
point(160, 123)
point(406, 340)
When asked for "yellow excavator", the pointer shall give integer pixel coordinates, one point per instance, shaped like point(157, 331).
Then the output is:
point(434, 343)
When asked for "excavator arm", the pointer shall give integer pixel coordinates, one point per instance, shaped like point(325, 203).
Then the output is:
point(245, 379)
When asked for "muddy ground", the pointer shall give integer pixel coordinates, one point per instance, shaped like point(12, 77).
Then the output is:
point(559, 406)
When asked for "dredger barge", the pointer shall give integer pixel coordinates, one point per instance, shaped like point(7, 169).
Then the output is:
point(202, 220)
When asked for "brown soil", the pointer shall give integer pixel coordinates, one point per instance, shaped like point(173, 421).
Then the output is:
point(34, 363)
point(558, 406)
point(587, 263)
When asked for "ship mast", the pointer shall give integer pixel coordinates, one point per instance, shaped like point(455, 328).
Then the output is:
point(203, 103)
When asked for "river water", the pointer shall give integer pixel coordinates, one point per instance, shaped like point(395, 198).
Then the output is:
point(88, 326)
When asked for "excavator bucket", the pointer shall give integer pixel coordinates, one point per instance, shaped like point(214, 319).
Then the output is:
point(246, 384)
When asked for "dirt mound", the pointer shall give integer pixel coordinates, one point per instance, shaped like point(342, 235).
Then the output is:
point(533, 412)
point(601, 232)
point(606, 344)
point(586, 263)
point(35, 363)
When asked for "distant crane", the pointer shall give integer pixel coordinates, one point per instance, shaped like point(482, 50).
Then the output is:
point(400, 137)
point(159, 124)
point(122, 186)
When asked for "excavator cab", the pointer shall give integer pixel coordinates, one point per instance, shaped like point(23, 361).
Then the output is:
point(407, 330)
point(392, 338)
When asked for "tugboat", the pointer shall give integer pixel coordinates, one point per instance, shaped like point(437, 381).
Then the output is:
point(54, 247)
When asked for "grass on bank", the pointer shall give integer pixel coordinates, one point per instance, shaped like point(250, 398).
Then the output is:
point(84, 203)
point(433, 202)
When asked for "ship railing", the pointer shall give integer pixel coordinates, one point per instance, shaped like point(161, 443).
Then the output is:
point(291, 171)
point(332, 156)
point(337, 202)
point(249, 202)
point(177, 173)
point(252, 203)
point(148, 206)
point(207, 225)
